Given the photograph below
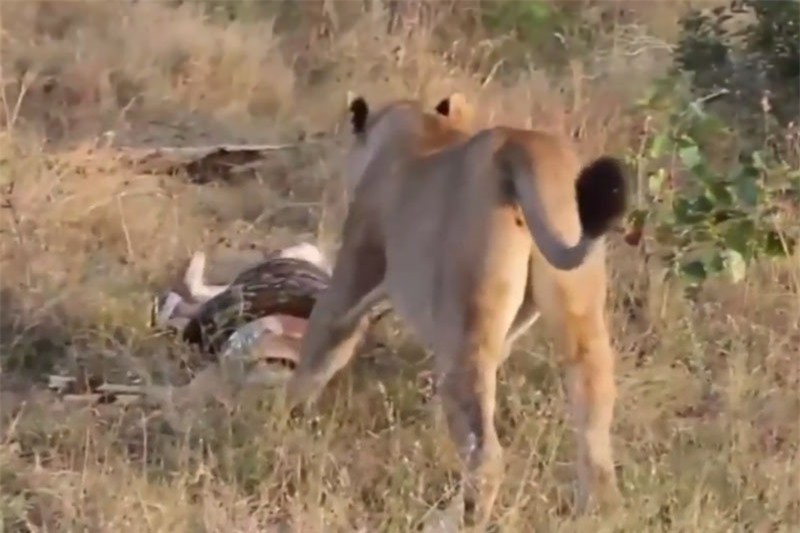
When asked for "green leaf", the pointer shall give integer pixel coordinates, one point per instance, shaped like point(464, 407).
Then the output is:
point(719, 193)
point(664, 234)
point(735, 265)
point(660, 144)
point(747, 191)
point(758, 161)
point(681, 209)
point(702, 233)
point(724, 215)
point(740, 235)
point(669, 258)
point(685, 212)
point(690, 156)
point(703, 173)
point(538, 11)
point(636, 217)
point(655, 182)
point(708, 127)
point(702, 204)
point(716, 264)
point(694, 271)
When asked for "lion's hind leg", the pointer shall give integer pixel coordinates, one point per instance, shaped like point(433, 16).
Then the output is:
point(572, 305)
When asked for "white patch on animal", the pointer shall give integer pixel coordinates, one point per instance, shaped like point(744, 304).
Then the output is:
point(307, 252)
point(195, 272)
point(194, 279)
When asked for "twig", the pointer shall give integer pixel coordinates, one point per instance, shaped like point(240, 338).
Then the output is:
point(492, 73)
point(712, 96)
point(128, 243)
point(121, 389)
point(59, 382)
point(11, 118)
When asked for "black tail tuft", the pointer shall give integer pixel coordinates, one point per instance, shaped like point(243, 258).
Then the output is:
point(359, 110)
point(602, 193)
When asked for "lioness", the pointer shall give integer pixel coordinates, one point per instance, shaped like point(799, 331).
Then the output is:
point(468, 235)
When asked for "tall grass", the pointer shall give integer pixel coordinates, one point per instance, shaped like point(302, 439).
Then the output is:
point(706, 426)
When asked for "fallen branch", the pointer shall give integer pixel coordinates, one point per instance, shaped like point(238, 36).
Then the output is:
point(210, 382)
point(202, 151)
point(202, 163)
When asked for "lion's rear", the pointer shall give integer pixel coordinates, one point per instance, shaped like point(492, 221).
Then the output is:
point(454, 240)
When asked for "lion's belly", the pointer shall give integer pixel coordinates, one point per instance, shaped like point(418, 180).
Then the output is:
point(446, 250)
point(413, 247)
point(411, 285)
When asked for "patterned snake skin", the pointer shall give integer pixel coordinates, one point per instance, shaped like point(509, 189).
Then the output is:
point(276, 286)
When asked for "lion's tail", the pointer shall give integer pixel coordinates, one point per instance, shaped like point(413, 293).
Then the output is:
point(601, 193)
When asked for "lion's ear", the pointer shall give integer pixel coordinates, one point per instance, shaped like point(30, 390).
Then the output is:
point(359, 111)
point(443, 107)
point(457, 109)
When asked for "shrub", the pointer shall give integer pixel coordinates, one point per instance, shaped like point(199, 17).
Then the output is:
point(751, 48)
point(709, 213)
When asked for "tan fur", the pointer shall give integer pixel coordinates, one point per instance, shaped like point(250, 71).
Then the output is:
point(461, 116)
point(438, 131)
point(428, 227)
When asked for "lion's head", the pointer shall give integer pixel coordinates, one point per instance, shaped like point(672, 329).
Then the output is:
point(403, 127)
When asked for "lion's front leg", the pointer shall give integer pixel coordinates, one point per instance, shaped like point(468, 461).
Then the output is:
point(334, 329)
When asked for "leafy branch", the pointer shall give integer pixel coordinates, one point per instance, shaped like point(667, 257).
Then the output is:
point(703, 219)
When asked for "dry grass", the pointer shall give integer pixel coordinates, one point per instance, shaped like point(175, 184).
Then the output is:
point(707, 425)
